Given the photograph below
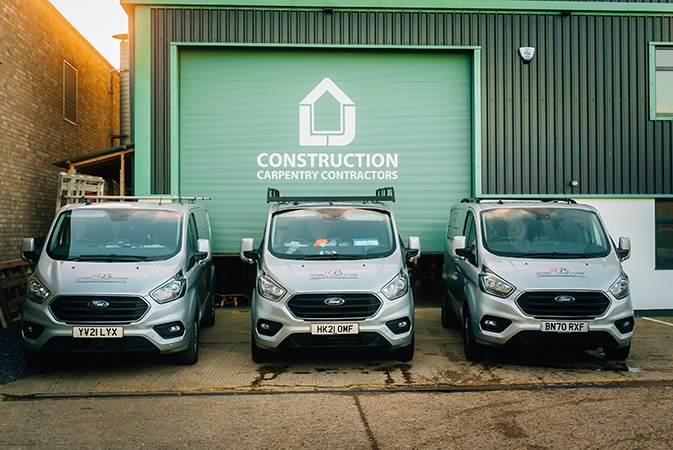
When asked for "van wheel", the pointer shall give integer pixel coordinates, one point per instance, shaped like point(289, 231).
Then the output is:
point(259, 355)
point(448, 319)
point(617, 354)
point(190, 356)
point(405, 354)
point(473, 350)
point(34, 360)
point(209, 314)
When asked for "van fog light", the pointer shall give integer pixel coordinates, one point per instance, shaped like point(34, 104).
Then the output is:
point(170, 330)
point(625, 325)
point(399, 326)
point(494, 324)
point(32, 330)
point(268, 328)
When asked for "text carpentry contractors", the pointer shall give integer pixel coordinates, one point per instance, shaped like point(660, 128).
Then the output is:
point(327, 166)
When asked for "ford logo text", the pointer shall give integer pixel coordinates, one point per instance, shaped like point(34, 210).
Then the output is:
point(98, 304)
point(334, 301)
point(563, 299)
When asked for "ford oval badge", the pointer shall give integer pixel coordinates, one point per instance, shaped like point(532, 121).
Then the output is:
point(334, 301)
point(98, 304)
point(563, 299)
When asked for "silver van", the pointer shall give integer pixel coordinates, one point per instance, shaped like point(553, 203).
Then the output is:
point(332, 274)
point(120, 277)
point(535, 273)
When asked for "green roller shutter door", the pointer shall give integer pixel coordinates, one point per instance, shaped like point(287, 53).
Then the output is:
point(324, 122)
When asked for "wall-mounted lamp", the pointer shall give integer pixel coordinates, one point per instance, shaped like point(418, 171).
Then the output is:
point(527, 54)
point(574, 183)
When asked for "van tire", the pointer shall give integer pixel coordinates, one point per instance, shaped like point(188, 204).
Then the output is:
point(190, 356)
point(34, 360)
point(209, 314)
point(448, 319)
point(617, 354)
point(405, 354)
point(473, 350)
point(259, 355)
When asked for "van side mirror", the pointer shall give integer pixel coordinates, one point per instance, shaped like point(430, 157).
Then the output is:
point(247, 253)
point(624, 249)
point(28, 252)
point(458, 249)
point(203, 252)
point(413, 251)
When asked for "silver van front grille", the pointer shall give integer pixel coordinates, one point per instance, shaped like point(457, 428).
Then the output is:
point(542, 304)
point(354, 306)
point(98, 309)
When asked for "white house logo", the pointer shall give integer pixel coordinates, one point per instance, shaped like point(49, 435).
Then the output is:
point(309, 135)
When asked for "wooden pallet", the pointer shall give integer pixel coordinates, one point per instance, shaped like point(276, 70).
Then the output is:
point(71, 186)
point(13, 279)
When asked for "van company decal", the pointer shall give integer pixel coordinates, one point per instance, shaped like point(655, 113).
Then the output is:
point(330, 166)
point(560, 272)
point(332, 274)
point(101, 278)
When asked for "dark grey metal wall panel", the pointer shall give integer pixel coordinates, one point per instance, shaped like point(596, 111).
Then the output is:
point(578, 111)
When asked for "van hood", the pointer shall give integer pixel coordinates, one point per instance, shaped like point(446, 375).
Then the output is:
point(368, 275)
point(545, 274)
point(119, 278)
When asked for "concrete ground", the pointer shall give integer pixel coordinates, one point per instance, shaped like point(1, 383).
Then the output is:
point(225, 366)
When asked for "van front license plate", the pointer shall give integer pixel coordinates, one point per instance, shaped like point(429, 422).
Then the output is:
point(97, 332)
point(335, 328)
point(564, 327)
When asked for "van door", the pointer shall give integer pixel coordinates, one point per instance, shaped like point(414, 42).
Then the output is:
point(198, 275)
point(467, 269)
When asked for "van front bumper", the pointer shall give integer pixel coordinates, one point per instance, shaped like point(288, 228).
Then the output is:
point(612, 329)
point(275, 327)
point(44, 333)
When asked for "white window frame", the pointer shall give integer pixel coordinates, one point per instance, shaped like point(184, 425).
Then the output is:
point(67, 67)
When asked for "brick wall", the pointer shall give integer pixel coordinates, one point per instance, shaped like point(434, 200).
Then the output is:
point(34, 41)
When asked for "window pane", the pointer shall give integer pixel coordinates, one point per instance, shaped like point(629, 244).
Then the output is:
point(664, 92)
point(664, 209)
point(665, 58)
point(664, 246)
point(664, 234)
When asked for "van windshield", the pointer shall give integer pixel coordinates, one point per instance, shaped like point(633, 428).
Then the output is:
point(331, 233)
point(544, 233)
point(115, 235)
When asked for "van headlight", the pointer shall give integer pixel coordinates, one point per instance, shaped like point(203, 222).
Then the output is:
point(268, 288)
point(170, 290)
point(397, 287)
point(36, 291)
point(494, 285)
point(620, 288)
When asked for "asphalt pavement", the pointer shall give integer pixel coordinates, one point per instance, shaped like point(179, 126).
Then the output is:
point(511, 399)
point(439, 364)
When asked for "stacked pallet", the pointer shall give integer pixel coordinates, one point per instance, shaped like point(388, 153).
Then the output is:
point(13, 279)
point(71, 187)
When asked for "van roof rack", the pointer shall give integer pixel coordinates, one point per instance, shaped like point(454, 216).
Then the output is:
point(519, 199)
point(386, 194)
point(131, 198)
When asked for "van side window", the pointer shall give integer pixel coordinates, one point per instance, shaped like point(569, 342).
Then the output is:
point(471, 237)
point(453, 225)
point(192, 235)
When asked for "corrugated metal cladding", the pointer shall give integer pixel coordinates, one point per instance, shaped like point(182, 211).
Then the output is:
point(579, 111)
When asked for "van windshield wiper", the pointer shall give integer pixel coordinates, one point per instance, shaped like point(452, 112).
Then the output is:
point(333, 255)
point(552, 255)
point(110, 258)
